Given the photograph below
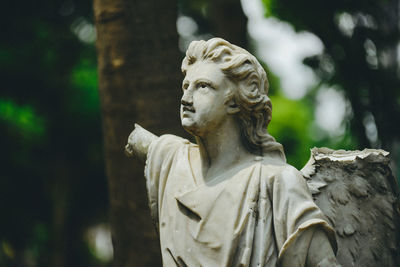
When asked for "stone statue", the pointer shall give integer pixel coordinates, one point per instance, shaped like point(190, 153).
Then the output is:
point(230, 199)
point(358, 193)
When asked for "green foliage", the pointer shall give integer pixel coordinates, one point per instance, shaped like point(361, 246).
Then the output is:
point(293, 125)
point(27, 123)
point(85, 95)
point(52, 180)
point(360, 39)
point(290, 123)
point(268, 4)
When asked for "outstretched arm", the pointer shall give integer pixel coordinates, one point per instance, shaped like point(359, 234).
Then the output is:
point(138, 142)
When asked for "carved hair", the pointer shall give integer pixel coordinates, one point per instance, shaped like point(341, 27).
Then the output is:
point(251, 97)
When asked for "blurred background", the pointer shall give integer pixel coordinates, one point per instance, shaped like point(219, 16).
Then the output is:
point(333, 66)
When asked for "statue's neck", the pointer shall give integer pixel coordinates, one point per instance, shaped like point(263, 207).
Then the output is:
point(221, 150)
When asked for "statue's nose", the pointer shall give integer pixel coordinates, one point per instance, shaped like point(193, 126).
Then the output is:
point(187, 99)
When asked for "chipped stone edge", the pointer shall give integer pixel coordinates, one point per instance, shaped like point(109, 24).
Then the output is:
point(345, 155)
point(337, 155)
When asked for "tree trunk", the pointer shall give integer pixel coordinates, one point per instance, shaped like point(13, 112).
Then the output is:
point(229, 21)
point(139, 81)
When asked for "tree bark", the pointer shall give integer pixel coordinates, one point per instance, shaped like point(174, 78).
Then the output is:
point(229, 21)
point(139, 81)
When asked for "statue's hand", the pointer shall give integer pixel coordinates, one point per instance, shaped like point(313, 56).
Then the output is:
point(138, 142)
point(132, 139)
point(128, 148)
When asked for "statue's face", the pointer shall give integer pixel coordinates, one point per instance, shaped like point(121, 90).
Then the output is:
point(204, 101)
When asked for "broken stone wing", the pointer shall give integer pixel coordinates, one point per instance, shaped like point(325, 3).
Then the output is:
point(358, 193)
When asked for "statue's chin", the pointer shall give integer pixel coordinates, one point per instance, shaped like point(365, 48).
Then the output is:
point(189, 126)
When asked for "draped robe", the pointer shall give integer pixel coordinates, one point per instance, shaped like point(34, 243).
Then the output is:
point(259, 214)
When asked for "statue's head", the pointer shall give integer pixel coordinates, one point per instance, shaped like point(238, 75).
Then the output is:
point(251, 89)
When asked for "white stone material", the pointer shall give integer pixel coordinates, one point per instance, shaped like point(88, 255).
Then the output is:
point(230, 199)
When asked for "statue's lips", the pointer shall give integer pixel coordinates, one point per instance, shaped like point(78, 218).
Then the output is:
point(187, 110)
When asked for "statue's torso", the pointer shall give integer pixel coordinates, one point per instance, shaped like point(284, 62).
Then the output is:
point(230, 221)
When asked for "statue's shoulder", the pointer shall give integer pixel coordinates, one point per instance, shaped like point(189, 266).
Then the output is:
point(170, 141)
point(280, 170)
point(278, 166)
point(170, 138)
point(164, 148)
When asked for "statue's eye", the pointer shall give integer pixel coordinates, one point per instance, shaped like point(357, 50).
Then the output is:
point(203, 85)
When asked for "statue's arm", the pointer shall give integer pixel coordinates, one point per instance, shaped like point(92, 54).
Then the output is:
point(139, 142)
point(320, 252)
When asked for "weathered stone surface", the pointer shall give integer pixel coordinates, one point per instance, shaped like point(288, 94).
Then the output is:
point(358, 193)
point(231, 199)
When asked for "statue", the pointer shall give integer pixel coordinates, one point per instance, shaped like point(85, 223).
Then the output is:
point(230, 199)
point(358, 193)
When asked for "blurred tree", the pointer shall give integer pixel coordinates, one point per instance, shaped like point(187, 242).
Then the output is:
point(361, 40)
point(52, 184)
point(139, 74)
point(229, 21)
point(221, 18)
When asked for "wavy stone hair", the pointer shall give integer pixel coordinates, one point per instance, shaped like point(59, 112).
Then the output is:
point(251, 97)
